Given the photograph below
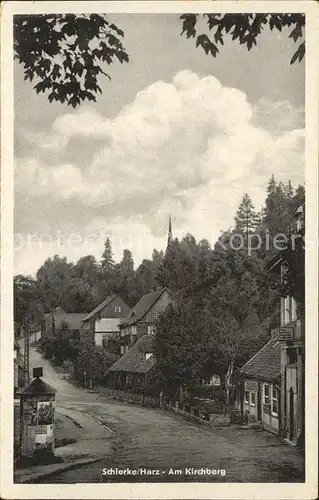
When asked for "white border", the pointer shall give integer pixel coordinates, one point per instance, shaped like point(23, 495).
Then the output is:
point(182, 490)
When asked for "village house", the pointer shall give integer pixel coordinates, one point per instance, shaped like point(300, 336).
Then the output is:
point(260, 391)
point(59, 318)
point(273, 388)
point(291, 335)
point(144, 316)
point(104, 321)
point(135, 368)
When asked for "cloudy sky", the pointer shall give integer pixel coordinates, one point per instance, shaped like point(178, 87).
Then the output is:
point(175, 132)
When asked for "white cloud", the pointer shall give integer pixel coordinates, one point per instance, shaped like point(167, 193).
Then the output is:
point(86, 122)
point(191, 148)
point(278, 116)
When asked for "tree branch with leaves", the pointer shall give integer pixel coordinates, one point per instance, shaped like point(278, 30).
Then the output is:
point(243, 28)
point(66, 53)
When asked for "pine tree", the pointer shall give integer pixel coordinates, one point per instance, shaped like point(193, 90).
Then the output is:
point(247, 219)
point(107, 261)
point(288, 190)
point(279, 208)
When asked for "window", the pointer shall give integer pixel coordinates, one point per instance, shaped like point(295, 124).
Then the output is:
point(247, 397)
point(299, 225)
point(274, 401)
point(288, 304)
point(253, 399)
point(292, 355)
point(150, 329)
point(117, 309)
point(266, 394)
point(290, 309)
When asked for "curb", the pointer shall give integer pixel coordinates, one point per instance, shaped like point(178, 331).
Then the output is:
point(87, 415)
point(67, 466)
point(99, 422)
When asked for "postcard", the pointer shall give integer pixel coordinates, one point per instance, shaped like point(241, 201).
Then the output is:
point(159, 249)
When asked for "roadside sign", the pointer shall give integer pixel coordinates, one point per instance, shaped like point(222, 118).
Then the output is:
point(286, 333)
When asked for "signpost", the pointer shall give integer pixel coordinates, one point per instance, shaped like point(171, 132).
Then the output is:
point(286, 333)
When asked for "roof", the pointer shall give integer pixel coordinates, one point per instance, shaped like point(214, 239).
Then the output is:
point(59, 310)
point(99, 308)
point(134, 359)
point(273, 263)
point(265, 364)
point(143, 306)
point(38, 386)
point(73, 320)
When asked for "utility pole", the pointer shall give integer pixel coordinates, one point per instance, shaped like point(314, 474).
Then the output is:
point(26, 362)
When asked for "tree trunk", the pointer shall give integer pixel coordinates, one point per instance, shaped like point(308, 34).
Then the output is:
point(227, 381)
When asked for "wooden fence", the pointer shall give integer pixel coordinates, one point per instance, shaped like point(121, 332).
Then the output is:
point(220, 417)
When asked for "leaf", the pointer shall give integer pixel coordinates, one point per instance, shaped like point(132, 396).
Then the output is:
point(118, 31)
point(296, 33)
point(295, 57)
point(302, 49)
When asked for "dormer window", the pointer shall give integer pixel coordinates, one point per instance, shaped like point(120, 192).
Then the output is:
point(117, 309)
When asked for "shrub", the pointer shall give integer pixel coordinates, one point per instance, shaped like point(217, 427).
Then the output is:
point(68, 367)
point(207, 391)
point(92, 362)
point(47, 346)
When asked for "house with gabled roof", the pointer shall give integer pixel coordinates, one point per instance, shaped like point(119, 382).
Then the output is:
point(59, 318)
point(261, 383)
point(144, 315)
point(136, 367)
point(104, 321)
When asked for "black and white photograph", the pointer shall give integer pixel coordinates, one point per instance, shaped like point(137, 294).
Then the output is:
point(161, 194)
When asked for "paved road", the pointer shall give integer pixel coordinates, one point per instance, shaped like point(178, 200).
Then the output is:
point(155, 439)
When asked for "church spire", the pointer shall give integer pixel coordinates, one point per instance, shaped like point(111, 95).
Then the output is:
point(170, 235)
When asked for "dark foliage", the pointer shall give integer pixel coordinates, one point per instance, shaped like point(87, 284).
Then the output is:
point(243, 28)
point(66, 53)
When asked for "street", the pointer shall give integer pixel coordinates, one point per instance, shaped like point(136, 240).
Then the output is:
point(136, 437)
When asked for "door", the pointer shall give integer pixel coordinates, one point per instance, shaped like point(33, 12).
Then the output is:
point(291, 414)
